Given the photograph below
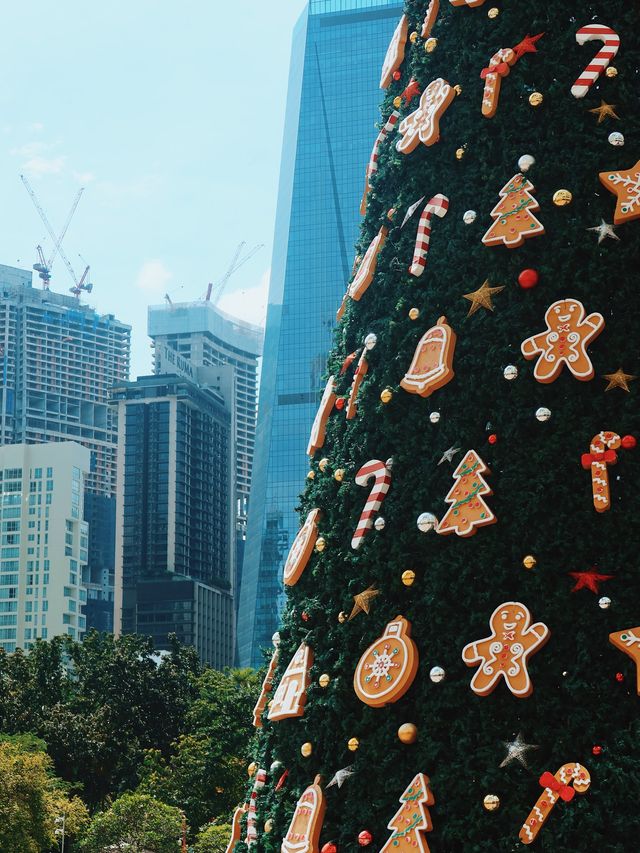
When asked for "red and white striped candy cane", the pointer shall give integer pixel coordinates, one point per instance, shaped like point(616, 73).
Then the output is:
point(499, 66)
point(602, 452)
point(258, 785)
point(373, 159)
point(438, 205)
point(381, 472)
point(556, 787)
point(611, 39)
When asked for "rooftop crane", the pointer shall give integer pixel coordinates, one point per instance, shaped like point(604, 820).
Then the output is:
point(43, 268)
point(216, 290)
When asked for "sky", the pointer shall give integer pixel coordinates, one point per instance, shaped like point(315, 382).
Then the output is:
point(170, 115)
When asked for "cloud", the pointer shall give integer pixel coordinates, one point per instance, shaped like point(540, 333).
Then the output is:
point(37, 166)
point(84, 177)
point(250, 303)
point(37, 126)
point(153, 277)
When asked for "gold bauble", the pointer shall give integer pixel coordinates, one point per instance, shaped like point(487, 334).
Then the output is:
point(323, 464)
point(268, 825)
point(491, 802)
point(251, 769)
point(457, 89)
point(397, 101)
point(408, 733)
point(386, 395)
point(493, 12)
point(321, 544)
point(562, 198)
point(430, 45)
point(460, 152)
point(408, 577)
point(413, 37)
point(414, 313)
point(338, 474)
point(529, 562)
point(353, 743)
point(611, 71)
point(306, 749)
point(324, 680)
point(536, 98)
point(342, 617)
point(311, 475)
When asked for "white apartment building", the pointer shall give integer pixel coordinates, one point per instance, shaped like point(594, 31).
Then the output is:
point(43, 542)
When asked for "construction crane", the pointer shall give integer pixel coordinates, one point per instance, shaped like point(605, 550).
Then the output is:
point(43, 267)
point(216, 290)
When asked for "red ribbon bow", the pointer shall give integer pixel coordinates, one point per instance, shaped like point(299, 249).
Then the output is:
point(501, 70)
point(602, 456)
point(566, 792)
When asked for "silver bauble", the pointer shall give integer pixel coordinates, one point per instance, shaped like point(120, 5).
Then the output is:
point(434, 417)
point(616, 138)
point(437, 674)
point(371, 340)
point(604, 603)
point(379, 523)
point(510, 372)
point(426, 522)
point(543, 414)
point(526, 162)
point(469, 217)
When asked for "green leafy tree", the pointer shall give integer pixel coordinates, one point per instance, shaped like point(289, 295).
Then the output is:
point(136, 823)
point(542, 498)
point(206, 770)
point(213, 838)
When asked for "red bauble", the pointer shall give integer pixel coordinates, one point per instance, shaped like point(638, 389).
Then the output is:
point(365, 838)
point(597, 750)
point(329, 847)
point(305, 616)
point(628, 442)
point(619, 677)
point(528, 279)
point(396, 76)
point(493, 438)
point(340, 404)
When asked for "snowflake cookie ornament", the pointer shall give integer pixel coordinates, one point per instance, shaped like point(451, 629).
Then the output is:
point(386, 670)
point(626, 186)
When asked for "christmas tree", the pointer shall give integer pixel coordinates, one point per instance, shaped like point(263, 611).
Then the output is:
point(502, 665)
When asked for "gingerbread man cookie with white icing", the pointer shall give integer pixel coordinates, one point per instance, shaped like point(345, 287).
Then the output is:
point(504, 654)
point(423, 124)
point(569, 331)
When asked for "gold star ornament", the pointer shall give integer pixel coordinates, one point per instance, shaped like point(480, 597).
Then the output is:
point(363, 601)
point(619, 379)
point(481, 298)
point(604, 111)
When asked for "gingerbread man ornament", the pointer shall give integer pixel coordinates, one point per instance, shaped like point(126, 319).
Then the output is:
point(569, 331)
point(504, 654)
point(423, 124)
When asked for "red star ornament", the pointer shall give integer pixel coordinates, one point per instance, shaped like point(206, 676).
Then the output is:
point(412, 91)
point(590, 580)
point(527, 45)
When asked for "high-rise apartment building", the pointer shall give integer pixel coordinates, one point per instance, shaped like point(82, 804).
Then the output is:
point(332, 107)
point(59, 360)
point(44, 541)
point(175, 544)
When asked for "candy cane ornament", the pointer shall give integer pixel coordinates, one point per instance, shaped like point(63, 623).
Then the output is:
point(438, 206)
point(602, 453)
point(556, 788)
point(252, 831)
point(499, 67)
point(595, 32)
point(382, 473)
point(372, 167)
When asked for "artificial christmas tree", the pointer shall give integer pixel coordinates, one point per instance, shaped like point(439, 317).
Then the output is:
point(529, 424)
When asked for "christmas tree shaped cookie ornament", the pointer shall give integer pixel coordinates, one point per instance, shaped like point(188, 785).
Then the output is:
point(412, 819)
point(625, 185)
point(468, 511)
point(569, 331)
point(386, 670)
point(303, 835)
point(301, 549)
point(432, 364)
point(505, 652)
point(513, 215)
point(291, 695)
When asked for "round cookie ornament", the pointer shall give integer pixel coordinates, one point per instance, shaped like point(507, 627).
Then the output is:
point(301, 549)
point(386, 670)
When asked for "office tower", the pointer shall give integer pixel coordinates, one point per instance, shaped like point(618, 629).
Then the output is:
point(332, 108)
point(175, 521)
point(59, 359)
point(43, 551)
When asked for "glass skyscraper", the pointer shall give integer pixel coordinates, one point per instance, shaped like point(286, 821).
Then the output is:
point(332, 110)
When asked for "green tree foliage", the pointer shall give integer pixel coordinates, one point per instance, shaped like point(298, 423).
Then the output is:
point(213, 839)
point(31, 798)
point(136, 823)
point(541, 495)
point(205, 772)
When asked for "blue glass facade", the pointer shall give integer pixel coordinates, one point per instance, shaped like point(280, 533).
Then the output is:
point(332, 108)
